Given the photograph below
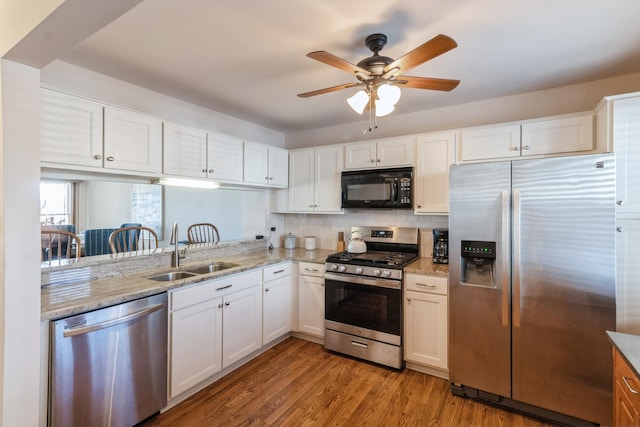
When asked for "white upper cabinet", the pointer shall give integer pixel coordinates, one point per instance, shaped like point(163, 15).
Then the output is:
point(132, 141)
point(71, 130)
point(195, 153)
point(224, 157)
point(570, 134)
point(185, 151)
point(315, 180)
point(265, 165)
point(389, 152)
point(435, 153)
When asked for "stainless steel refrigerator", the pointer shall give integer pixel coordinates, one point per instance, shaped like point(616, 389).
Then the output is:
point(532, 285)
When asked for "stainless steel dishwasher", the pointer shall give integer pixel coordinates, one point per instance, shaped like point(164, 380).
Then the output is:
point(109, 366)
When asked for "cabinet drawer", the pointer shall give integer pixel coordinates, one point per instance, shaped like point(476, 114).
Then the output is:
point(187, 296)
point(276, 271)
point(430, 284)
point(311, 269)
point(626, 379)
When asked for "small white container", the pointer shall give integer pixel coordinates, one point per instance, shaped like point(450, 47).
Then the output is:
point(310, 243)
point(289, 241)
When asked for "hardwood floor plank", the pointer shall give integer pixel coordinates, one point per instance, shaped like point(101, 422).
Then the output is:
point(298, 383)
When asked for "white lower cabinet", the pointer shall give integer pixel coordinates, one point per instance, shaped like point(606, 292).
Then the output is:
point(426, 321)
point(212, 325)
point(311, 298)
point(276, 301)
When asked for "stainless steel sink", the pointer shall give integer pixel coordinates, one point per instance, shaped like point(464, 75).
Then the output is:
point(171, 276)
point(205, 269)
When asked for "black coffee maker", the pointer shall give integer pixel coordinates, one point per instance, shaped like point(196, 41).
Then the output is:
point(440, 246)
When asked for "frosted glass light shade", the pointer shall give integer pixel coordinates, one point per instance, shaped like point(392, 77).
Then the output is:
point(358, 101)
point(382, 109)
point(389, 94)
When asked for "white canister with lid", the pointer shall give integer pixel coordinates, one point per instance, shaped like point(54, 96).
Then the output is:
point(310, 243)
point(289, 241)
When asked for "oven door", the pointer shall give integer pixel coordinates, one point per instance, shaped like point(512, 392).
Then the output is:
point(370, 308)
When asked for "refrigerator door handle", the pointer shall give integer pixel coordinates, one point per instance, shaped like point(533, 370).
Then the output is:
point(516, 258)
point(505, 258)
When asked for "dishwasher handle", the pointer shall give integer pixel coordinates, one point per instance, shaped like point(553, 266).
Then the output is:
point(102, 325)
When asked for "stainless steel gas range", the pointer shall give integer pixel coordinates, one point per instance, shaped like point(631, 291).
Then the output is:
point(363, 295)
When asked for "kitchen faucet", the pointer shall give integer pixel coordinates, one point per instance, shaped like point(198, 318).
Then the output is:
point(175, 259)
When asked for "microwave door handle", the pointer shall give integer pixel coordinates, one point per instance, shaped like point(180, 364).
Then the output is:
point(394, 191)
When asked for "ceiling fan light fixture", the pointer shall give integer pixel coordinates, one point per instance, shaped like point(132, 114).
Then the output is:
point(358, 101)
point(383, 108)
point(389, 94)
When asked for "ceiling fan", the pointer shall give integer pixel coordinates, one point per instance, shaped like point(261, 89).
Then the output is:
point(380, 76)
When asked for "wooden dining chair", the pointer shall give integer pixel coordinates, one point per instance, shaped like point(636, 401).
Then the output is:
point(203, 233)
point(131, 239)
point(59, 244)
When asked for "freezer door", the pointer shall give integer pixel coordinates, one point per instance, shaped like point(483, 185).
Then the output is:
point(480, 341)
point(564, 284)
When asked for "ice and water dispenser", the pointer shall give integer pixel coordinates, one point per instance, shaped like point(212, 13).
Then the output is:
point(478, 263)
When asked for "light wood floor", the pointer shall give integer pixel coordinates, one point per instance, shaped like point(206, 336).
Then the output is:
point(298, 383)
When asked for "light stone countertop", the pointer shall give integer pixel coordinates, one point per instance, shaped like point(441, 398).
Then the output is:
point(79, 295)
point(629, 348)
point(426, 266)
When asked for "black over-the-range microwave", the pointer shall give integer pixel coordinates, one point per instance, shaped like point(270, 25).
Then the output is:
point(378, 188)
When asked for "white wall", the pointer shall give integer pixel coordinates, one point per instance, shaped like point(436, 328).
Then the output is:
point(78, 81)
point(550, 102)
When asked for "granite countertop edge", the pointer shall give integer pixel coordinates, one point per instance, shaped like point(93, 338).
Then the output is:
point(64, 300)
point(629, 348)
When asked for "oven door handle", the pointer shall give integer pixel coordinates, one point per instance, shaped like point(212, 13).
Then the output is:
point(358, 280)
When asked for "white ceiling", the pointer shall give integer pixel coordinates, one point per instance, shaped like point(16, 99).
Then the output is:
point(246, 58)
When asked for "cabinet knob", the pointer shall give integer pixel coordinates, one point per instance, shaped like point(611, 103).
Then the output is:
point(110, 159)
point(408, 299)
point(227, 303)
point(270, 178)
point(620, 202)
point(378, 160)
point(266, 289)
point(204, 170)
point(266, 178)
point(516, 148)
point(373, 160)
point(97, 157)
point(419, 206)
point(619, 229)
point(211, 170)
point(526, 147)
point(219, 305)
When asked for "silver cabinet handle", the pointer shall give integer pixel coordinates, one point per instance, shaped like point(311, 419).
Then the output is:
point(204, 170)
point(619, 229)
point(266, 178)
point(279, 271)
point(526, 147)
point(110, 159)
point(227, 303)
point(631, 389)
point(620, 202)
point(516, 148)
point(223, 287)
point(220, 306)
point(211, 170)
point(266, 289)
point(270, 178)
point(315, 270)
point(97, 157)
point(124, 319)
point(426, 285)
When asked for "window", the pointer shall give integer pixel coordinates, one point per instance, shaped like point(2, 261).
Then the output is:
point(56, 202)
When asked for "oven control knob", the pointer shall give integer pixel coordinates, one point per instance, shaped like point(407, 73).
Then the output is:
point(376, 272)
point(342, 269)
point(386, 273)
point(359, 270)
point(334, 267)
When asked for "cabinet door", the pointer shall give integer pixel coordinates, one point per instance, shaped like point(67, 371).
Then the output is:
point(196, 345)
point(393, 152)
point(491, 142)
point(256, 163)
point(71, 130)
point(560, 135)
point(184, 150)
point(628, 276)
point(132, 141)
point(311, 305)
point(278, 167)
point(626, 401)
point(626, 145)
point(301, 172)
point(360, 155)
point(242, 324)
point(224, 158)
point(435, 154)
point(426, 330)
point(277, 310)
point(327, 189)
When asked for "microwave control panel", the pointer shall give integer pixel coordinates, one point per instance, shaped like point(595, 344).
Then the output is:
point(404, 190)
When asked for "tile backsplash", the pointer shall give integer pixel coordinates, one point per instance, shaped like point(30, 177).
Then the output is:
point(326, 227)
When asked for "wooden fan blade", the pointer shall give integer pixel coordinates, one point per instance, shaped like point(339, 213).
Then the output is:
point(426, 83)
point(426, 51)
point(341, 64)
point(327, 90)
